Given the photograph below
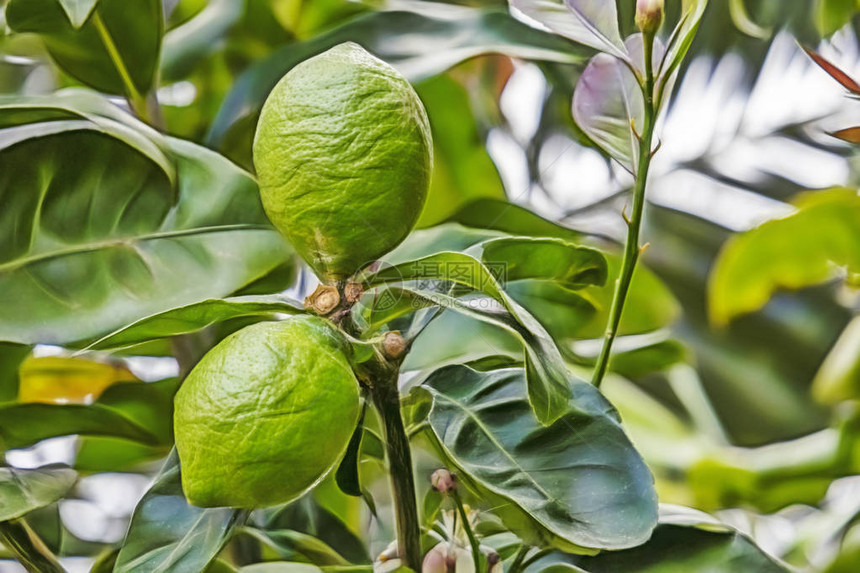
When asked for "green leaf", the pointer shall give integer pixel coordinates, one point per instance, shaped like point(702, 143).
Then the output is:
point(590, 22)
point(188, 44)
point(681, 39)
point(838, 379)
point(280, 567)
point(135, 30)
point(103, 256)
point(309, 517)
point(577, 484)
point(420, 43)
point(791, 253)
point(496, 215)
point(547, 374)
point(832, 15)
point(23, 425)
point(563, 312)
point(148, 405)
point(568, 265)
point(11, 357)
point(197, 316)
point(78, 10)
point(168, 534)
point(22, 491)
point(291, 544)
point(683, 542)
point(347, 475)
point(462, 170)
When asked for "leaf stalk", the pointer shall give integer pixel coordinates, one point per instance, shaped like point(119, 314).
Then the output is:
point(27, 548)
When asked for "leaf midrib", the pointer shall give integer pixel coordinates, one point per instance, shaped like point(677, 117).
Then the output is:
point(90, 247)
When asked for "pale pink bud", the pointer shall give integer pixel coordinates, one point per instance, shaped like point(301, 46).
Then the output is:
point(649, 15)
point(443, 481)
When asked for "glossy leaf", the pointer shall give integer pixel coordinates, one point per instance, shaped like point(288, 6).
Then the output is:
point(503, 216)
point(22, 491)
point(78, 10)
point(420, 44)
point(103, 256)
point(590, 22)
point(546, 372)
point(195, 317)
point(135, 30)
point(791, 253)
point(687, 541)
point(568, 265)
point(168, 534)
point(682, 38)
point(23, 425)
point(577, 484)
point(291, 544)
point(608, 102)
point(186, 45)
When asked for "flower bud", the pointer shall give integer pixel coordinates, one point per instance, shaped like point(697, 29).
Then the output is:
point(649, 15)
point(393, 345)
point(443, 481)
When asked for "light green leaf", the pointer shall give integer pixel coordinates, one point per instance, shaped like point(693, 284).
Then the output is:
point(22, 491)
point(838, 379)
point(798, 251)
point(463, 170)
point(681, 39)
point(832, 15)
point(577, 484)
point(135, 29)
point(196, 316)
point(547, 374)
point(168, 534)
point(105, 255)
point(590, 22)
point(294, 543)
point(502, 216)
point(186, 45)
point(78, 10)
point(11, 357)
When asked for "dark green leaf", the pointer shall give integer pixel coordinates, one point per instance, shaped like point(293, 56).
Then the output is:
point(103, 256)
point(576, 484)
point(23, 425)
point(347, 472)
point(420, 45)
point(546, 371)
point(135, 29)
point(554, 260)
point(186, 45)
point(168, 534)
point(22, 491)
point(197, 316)
point(292, 544)
point(683, 543)
point(11, 357)
point(797, 251)
point(496, 215)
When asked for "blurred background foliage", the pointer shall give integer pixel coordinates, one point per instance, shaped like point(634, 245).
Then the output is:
point(737, 380)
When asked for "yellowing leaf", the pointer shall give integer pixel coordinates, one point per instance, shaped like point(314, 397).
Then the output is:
point(57, 379)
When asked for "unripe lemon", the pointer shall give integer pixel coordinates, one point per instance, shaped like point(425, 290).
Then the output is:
point(266, 414)
point(343, 154)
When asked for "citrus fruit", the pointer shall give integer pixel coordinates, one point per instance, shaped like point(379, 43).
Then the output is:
point(343, 154)
point(265, 414)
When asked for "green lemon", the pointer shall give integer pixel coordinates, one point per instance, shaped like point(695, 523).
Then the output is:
point(343, 154)
point(266, 414)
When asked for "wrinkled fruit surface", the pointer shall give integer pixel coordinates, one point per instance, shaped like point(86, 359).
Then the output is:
point(265, 414)
point(343, 154)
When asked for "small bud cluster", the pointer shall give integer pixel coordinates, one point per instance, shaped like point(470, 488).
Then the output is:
point(443, 481)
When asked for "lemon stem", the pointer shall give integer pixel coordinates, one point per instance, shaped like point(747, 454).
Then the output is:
point(467, 527)
point(632, 250)
point(386, 398)
point(28, 549)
